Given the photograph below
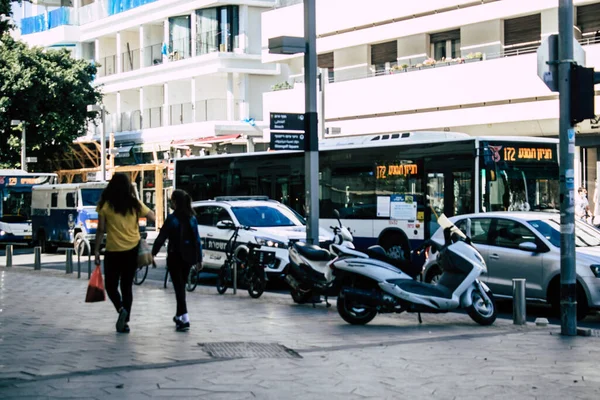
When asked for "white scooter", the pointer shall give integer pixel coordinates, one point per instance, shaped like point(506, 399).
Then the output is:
point(370, 286)
point(308, 270)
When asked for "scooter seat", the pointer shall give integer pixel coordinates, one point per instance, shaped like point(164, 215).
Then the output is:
point(421, 288)
point(312, 252)
point(406, 266)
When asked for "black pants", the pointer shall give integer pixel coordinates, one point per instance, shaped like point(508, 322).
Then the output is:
point(120, 267)
point(179, 271)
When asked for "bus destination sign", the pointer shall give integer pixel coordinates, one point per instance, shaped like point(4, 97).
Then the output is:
point(385, 171)
point(525, 153)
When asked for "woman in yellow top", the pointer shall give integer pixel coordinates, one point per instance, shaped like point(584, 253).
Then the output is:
point(118, 213)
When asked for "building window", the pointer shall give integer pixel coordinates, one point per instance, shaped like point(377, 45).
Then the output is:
point(217, 29)
point(326, 61)
point(383, 56)
point(523, 33)
point(588, 21)
point(179, 37)
point(445, 45)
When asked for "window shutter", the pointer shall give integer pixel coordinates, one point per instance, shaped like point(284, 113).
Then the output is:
point(523, 30)
point(588, 18)
point(325, 60)
point(384, 52)
point(443, 36)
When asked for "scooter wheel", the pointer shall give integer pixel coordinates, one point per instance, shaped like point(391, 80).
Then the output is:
point(481, 312)
point(300, 297)
point(352, 314)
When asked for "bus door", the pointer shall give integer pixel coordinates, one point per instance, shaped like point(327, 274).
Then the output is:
point(450, 192)
point(279, 184)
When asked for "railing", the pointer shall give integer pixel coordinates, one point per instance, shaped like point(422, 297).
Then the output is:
point(152, 117)
point(130, 60)
point(180, 114)
point(130, 121)
point(207, 42)
point(119, 6)
point(42, 22)
point(108, 66)
point(153, 55)
point(93, 12)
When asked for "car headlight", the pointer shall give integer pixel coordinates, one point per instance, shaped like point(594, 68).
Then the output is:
point(91, 223)
point(596, 270)
point(2, 233)
point(268, 242)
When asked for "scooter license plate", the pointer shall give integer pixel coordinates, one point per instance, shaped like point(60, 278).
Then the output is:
point(265, 258)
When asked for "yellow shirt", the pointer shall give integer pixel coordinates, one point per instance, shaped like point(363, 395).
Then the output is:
point(122, 231)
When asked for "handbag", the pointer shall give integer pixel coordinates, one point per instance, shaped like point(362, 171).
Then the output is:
point(95, 290)
point(144, 254)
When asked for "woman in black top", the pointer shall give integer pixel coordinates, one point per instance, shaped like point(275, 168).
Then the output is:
point(183, 251)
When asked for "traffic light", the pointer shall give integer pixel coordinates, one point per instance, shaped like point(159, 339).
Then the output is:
point(582, 93)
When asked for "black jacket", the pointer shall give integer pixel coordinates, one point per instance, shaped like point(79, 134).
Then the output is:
point(170, 230)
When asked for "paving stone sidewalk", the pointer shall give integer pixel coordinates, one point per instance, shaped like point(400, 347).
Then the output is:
point(53, 345)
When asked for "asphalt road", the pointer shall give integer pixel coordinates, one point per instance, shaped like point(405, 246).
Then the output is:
point(24, 255)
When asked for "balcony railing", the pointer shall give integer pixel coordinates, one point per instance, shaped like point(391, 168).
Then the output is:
point(180, 114)
point(119, 6)
point(130, 60)
point(153, 55)
point(152, 117)
point(108, 66)
point(43, 22)
point(180, 49)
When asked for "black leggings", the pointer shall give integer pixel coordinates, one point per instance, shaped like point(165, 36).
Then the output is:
point(179, 271)
point(120, 266)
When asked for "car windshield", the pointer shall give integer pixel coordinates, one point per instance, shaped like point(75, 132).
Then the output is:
point(585, 235)
point(265, 216)
point(90, 197)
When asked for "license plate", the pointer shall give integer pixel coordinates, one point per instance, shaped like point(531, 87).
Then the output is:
point(27, 237)
point(264, 257)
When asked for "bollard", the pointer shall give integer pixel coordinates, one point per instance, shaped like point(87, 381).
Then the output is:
point(9, 254)
point(69, 262)
point(234, 278)
point(37, 258)
point(519, 310)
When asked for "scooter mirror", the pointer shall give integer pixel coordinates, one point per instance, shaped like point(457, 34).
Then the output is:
point(446, 223)
point(336, 214)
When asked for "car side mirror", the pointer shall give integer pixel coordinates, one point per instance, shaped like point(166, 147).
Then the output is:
point(225, 224)
point(528, 246)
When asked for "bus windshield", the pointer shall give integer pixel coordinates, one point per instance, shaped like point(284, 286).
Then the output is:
point(16, 204)
point(519, 177)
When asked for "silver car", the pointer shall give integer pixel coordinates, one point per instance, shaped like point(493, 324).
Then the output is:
point(527, 245)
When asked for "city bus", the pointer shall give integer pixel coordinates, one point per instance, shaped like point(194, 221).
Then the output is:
point(15, 204)
point(390, 188)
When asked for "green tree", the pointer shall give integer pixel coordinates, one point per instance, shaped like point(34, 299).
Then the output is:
point(48, 90)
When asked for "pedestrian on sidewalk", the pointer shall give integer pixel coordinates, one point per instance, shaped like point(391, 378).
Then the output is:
point(183, 251)
point(119, 211)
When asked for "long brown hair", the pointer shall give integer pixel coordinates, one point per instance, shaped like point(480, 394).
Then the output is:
point(183, 203)
point(120, 195)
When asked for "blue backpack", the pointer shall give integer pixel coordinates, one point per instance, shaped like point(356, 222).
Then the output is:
point(189, 248)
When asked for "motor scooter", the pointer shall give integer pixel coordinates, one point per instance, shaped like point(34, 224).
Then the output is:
point(371, 285)
point(308, 269)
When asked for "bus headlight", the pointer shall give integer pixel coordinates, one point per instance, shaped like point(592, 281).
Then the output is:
point(91, 224)
point(268, 242)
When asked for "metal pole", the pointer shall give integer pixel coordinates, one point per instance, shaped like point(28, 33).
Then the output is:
point(69, 262)
point(103, 145)
point(519, 310)
point(568, 286)
point(37, 258)
point(23, 150)
point(323, 80)
point(311, 135)
point(234, 278)
point(9, 255)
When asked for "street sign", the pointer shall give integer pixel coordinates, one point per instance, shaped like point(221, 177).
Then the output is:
point(31, 159)
point(287, 122)
point(547, 57)
point(287, 141)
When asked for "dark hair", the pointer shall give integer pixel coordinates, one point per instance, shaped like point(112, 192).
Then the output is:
point(120, 195)
point(183, 203)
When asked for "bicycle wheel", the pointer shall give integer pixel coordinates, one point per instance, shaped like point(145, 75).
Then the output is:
point(140, 275)
point(256, 283)
point(222, 280)
point(192, 280)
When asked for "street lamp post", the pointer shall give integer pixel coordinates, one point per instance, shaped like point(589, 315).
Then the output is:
point(95, 107)
point(17, 122)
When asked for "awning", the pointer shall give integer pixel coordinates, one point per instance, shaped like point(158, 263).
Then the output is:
point(204, 140)
point(150, 147)
point(124, 151)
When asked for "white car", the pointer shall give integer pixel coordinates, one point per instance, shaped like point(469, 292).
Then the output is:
point(527, 245)
point(274, 226)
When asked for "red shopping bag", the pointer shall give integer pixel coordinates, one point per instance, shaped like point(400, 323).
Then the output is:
point(95, 290)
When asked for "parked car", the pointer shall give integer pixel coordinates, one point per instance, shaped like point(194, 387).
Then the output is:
point(274, 226)
point(527, 245)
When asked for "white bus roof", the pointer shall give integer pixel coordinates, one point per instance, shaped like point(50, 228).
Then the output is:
point(67, 186)
point(20, 172)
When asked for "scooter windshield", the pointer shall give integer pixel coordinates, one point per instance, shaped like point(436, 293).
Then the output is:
point(446, 223)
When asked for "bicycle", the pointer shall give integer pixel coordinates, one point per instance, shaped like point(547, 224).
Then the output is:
point(193, 278)
point(141, 273)
point(250, 272)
